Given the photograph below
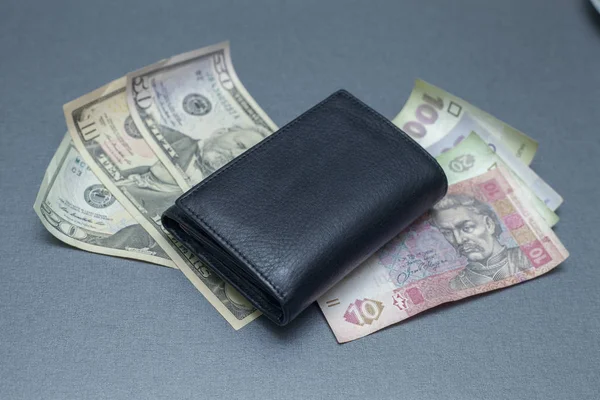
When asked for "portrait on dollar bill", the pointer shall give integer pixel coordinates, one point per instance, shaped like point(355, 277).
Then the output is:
point(474, 229)
point(155, 188)
point(201, 157)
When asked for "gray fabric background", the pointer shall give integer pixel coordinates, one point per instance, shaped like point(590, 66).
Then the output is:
point(75, 325)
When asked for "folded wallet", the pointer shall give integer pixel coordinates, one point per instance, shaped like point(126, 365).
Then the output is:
point(290, 217)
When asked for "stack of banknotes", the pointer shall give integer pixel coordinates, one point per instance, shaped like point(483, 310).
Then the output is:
point(136, 144)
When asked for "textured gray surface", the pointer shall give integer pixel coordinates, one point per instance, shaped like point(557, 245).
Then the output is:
point(75, 325)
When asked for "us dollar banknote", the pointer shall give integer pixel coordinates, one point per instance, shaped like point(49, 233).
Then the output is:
point(430, 113)
point(76, 208)
point(480, 237)
point(111, 144)
point(195, 113)
point(472, 157)
point(467, 124)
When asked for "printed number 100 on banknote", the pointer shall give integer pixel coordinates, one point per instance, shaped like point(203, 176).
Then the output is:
point(482, 236)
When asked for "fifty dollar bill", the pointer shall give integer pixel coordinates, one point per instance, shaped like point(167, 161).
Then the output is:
point(76, 208)
point(195, 113)
point(111, 144)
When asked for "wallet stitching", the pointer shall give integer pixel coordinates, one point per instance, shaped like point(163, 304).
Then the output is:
point(279, 133)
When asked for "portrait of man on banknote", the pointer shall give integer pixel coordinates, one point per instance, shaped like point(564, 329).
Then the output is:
point(202, 157)
point(155, 186)
point(473, 229)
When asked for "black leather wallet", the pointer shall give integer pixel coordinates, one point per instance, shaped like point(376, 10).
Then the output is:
point(294, 214)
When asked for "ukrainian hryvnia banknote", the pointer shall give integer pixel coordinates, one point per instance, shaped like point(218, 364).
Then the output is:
point(472, 157)
point(482, 236)
point(431, 112)
point(467, 124)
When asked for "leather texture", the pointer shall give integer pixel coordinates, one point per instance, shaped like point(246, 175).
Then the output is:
point(293, 215)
